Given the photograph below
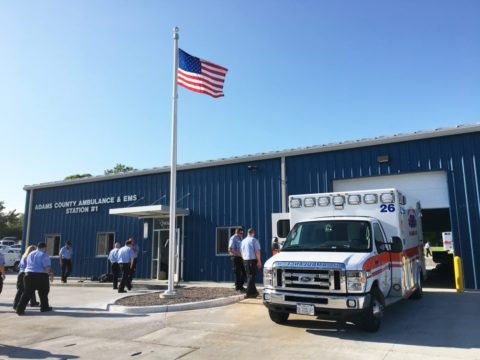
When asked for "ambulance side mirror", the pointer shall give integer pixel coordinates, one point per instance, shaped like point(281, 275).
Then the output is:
point(275, 243)
point(397, 245)
point(275, 246)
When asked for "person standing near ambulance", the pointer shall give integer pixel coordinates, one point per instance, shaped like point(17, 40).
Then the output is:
point(2, 271)
point(21, 277)
point(65, 256)
point(252, 261)
point(113, 257)
point(125, 261)
point(237, 261)
point(37, 273)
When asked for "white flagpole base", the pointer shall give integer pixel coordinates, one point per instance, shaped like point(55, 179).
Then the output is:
point(168, 294)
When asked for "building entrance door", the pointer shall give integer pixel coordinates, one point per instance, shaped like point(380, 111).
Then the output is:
point(160, 250)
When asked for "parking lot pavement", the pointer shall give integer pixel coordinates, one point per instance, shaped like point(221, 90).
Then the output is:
point(443, 325)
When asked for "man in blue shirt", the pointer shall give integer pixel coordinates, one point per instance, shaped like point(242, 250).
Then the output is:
point(65, 256)
point(250, 249)
point(237, 262)
point(125, 258)
point(113, 257)
point(2, 271)
point(37, 273)
point(136, 251)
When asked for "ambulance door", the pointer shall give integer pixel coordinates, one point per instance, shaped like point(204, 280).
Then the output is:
point(280, 230)
point(384, 266)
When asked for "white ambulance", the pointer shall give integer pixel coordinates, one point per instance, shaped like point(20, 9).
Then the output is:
point(347, 256)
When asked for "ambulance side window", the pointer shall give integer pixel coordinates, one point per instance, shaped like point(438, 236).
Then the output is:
point(379, 239)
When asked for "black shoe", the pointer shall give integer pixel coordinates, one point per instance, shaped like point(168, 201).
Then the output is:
point(129, 288)
point(35, 304)
point(20, 313)
point(121, 291)
point(46, 309)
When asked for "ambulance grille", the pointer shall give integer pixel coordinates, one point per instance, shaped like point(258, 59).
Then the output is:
point(308, 279)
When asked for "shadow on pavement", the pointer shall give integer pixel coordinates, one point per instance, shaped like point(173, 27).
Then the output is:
point(439, 319)
point(14, 352)
point(441, 277)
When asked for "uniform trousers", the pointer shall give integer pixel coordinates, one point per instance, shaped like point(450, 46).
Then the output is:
point(115, 273)
point(1, 282)
point(34, 282)
point(66, 269)
point(125, 267)
point(20, 291)
point(251, 271)
point(132, 273)
point(239, 271)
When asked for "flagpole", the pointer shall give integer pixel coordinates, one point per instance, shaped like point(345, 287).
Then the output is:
point(173, 174)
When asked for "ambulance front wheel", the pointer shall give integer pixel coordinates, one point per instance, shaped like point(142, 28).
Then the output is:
point(278, 317)
point(373, 315)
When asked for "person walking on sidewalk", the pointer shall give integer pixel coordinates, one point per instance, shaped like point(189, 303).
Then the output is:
point(21, 277)
point(125, 261)
point(2, 271)
point(37, 273)
point(237, 261)
point(65, 256)
point(252, 261)
point(113, 257)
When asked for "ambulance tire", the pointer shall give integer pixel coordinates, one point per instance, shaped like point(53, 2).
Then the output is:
point(373, 315)
point(417, 295)
point(278, 317)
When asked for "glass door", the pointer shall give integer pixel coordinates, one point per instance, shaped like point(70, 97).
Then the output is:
point(155, 254)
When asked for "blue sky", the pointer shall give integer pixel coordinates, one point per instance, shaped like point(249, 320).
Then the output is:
point(87, 84)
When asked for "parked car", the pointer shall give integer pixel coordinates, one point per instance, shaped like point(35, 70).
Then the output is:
point(12, 258)
point(16, 247)
point(8, 240)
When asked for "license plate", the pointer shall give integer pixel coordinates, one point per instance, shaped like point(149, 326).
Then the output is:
point(305, 309)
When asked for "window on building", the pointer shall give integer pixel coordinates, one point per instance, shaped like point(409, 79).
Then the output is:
point(105, 242)
point(53, 244)
point(224, 234)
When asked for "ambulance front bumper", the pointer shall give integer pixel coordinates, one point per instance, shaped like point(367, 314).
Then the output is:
point(287, 301)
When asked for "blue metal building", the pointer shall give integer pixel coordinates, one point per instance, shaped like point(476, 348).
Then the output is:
point(439, 167)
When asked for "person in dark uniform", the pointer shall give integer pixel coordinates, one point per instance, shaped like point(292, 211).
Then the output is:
point(136, 251)
point(113, 257)
point(125, 260)
point(252, 261)
point(2, 271)
point(65, 256)
point(237, 261)
point(20, 279)
point(37, 273)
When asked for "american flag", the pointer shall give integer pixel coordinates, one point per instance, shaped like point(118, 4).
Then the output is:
point(199, 75)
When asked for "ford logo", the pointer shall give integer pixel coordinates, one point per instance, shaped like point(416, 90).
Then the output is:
point(305, 278)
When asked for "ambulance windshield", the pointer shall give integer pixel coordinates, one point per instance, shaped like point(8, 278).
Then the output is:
point(332, 235)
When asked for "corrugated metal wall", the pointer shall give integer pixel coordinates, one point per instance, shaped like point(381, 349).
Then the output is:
point(457, 155)
point(232, 195)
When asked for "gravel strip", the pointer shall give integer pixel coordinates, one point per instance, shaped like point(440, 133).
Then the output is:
point(184, 295)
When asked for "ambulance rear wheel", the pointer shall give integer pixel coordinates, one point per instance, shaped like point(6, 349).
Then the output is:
point(417, 295)
point(373, 315)
point(278, 317)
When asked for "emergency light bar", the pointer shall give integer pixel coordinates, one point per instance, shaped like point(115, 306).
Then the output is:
point(339, 201)
point(309, 202)
point(295, 203)
point(354, 199)
point(324, 201)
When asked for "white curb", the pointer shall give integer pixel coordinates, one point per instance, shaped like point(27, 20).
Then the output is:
point(174, 307)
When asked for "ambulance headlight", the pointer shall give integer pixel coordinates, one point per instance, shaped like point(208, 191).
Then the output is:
point(323, 201)
point(356, 281)
point(267, 277)
point(309, 202)
point(295, 203)
point(387, 198)
point(338, 200)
